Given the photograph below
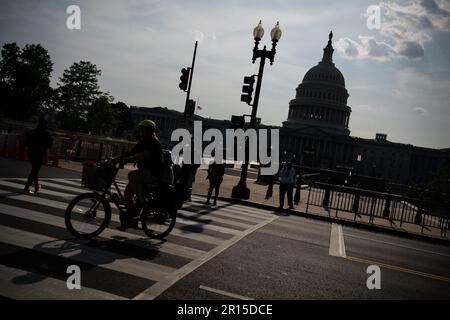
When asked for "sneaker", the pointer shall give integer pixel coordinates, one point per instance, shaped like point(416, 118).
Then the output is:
point(36, 190)
point(28, 192)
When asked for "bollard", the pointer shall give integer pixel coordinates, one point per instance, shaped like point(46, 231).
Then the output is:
point(5, 148)
point(55, 162)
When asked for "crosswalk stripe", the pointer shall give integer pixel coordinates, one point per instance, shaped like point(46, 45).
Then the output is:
point(236, 212)
point(208, 226)
point(241, 209)
point(62, 205)
point(238, 215)
point(38, 287)
point(42, 192)
point(79, 252)
point(213, 218)
point(166, 247)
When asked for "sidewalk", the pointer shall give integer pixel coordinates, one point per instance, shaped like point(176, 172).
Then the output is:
point(257, 199)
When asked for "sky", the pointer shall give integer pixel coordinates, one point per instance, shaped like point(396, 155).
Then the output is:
point(397, 74)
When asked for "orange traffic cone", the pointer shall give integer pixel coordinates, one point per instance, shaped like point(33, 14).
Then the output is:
point(55, 162)
point(45, 162)
point(5, 148)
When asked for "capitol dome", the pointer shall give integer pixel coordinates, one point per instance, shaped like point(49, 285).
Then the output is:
point(321, 98)
point(325, 72)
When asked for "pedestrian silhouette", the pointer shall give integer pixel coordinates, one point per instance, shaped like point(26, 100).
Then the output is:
point(298, 188)
point(37, 141)
point(287, 182)
point(187, 175)
point(215, 175)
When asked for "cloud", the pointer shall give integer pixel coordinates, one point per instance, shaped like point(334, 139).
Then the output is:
point(421, 111)
point(404, 31)
point(365, 47)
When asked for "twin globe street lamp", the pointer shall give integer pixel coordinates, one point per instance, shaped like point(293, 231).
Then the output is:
point(240, 190)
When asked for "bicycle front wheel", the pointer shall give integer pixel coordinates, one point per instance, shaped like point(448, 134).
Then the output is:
point(87, 215)
point(158, 224)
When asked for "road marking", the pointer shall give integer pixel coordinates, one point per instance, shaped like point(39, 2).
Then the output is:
point(397, 245)
point(337, 245)
point(79, 252)
point(397, 268)
point(34, 286)
point(161, 286)
point(225, 293)
point(108, 233)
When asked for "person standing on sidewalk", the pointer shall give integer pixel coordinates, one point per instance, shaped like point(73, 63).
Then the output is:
point(38, 141)
point(287, 182)
point(298, 188)
point(215, 176)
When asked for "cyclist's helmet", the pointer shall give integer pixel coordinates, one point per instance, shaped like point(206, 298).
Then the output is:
point(148, 124)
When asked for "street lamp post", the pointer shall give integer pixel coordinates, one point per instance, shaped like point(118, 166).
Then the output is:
point(240, 190)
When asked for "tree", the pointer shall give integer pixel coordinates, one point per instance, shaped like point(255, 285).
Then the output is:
point(24, 80)
point(78, 90)
point(101, 116)
point(123, 119)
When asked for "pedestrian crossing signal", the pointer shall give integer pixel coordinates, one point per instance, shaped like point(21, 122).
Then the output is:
point(247, 89)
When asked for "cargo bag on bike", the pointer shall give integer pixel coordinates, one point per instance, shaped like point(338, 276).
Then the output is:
point(97, 176)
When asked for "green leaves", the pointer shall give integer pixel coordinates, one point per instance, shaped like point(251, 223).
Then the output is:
point(24, 80)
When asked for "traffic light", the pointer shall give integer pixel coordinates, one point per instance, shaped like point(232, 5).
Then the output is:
point(184, 78)
point(247, 89)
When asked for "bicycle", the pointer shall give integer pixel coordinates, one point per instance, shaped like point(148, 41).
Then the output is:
point(88, 214)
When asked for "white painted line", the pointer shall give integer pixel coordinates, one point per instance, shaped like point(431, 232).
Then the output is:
point(207, 226)
point(205, 217)
point(225, 293)
point(42, 192)
point(114, 217)
point(39, 287)
point(337, 245)
point(113, 234)
point(82, 253)
point(158, 288)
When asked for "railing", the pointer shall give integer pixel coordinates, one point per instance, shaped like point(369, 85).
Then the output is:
point(376, 205)
point(74, 146)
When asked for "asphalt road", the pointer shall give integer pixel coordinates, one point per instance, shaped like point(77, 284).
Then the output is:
point(289, 259)
point(226, 252)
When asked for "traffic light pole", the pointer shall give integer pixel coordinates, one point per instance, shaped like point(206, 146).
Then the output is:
point(240, 190)
point(191, 75)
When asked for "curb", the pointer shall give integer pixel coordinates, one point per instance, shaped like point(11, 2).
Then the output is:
point(348, 223)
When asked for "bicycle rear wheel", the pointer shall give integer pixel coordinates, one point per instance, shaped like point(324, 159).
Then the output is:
point(157, 224)
point(87, 215)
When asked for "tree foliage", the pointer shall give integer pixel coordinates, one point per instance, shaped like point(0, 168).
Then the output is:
point(24, 80)
point(77, 92)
